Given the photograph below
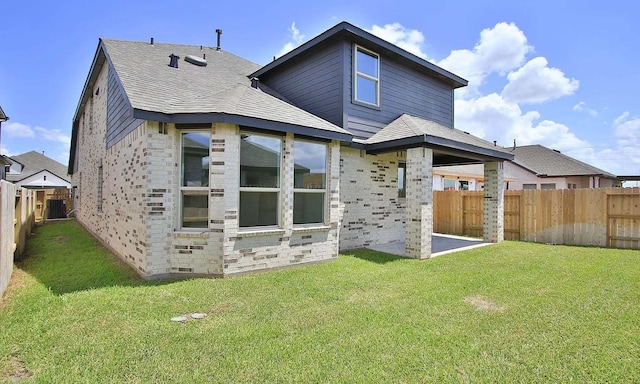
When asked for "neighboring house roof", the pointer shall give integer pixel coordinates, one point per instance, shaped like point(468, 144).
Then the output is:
point(4, 160)
point(34, 162)
point(360, 36)
point(546, 162)
point(221, 91)
point(407, 131)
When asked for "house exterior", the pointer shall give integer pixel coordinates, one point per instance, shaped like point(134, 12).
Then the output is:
point(533, 167)
point(189, 160)
point(34, 170)
point(539, 167)
point(468, 177)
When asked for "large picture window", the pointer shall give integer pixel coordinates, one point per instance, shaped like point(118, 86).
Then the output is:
point(194, 184)
point(367, 76)
point(260, 158)
point(309, 182)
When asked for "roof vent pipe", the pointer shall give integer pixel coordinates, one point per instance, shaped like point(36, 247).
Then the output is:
point(174, 61)
point(219, 32)
point(254, 82)
point(514, 143)
point(152, 41)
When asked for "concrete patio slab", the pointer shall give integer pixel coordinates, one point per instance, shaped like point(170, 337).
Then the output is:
point(441, 244)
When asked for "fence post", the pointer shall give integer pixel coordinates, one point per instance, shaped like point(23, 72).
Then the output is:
point(7, 232)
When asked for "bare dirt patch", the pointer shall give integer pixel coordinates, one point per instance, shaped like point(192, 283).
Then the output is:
point(61, 239)
point(485, 304)
point(16, 283)
point(12, 369)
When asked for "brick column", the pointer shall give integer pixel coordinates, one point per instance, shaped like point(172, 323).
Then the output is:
point(286, 198)
point(225, 175)
point(419, 203)
point(493, 202)
point(335, 213)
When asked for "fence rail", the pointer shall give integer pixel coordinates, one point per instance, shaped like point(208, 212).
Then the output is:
point(605, 217)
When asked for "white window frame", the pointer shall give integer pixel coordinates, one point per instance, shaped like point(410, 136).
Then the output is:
point(444, 187)
point(357, 74)
point(548, 186)
point(259, 189)
point(402, 192)
point(325, 190)
point(192, 190)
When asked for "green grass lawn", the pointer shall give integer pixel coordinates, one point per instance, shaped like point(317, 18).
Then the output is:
point(513, 312)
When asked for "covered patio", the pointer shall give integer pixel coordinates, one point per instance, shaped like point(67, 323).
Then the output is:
point(429, 144)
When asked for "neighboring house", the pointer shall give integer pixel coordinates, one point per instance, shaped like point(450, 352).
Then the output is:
point(4, 162)
point(34, 170)
point(538, 167)
point(534, 167)
point(189, 160)
point(465, 177)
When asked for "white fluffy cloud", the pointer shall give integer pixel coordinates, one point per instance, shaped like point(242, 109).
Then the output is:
point(17, 130)
point(297, 38)
point(582, 106)
point(627, 133)
point(18, 135)
point(5, 151)
point(499, 50)
point(494, 118)
point(535, 82)
point(53, 135)
point(410, 40)
point(502, 50)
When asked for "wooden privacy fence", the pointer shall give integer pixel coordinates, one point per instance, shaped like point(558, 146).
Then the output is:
point(44, 196)
point(604, 217)
point(17, 215)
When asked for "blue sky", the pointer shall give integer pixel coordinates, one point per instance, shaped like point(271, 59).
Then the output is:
point(556, 73)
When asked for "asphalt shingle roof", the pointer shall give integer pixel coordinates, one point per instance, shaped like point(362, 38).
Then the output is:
point(34, 162)
point(222, 86)
point(407, 126)
point(544, 161)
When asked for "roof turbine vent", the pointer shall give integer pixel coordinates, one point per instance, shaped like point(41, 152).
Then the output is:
point(174, 60)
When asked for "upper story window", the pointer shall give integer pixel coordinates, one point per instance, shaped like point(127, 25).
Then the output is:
point(367, 76)
point(260, 159)
point(309, 182)
point(194, 184)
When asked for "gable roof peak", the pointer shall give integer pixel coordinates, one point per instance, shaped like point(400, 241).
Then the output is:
point(346, 30)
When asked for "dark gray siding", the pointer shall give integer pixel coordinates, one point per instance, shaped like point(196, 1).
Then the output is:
point(402, 90)
point(313, 83)
point(120, 120)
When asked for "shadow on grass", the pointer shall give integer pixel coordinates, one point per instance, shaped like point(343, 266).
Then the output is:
point(375, 256)
point(65, 258)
